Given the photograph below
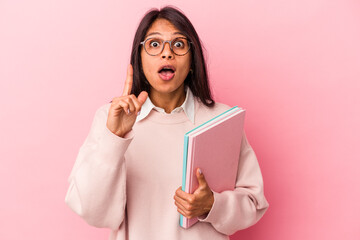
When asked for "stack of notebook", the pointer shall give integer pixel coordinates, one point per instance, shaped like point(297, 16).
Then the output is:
point(214, 147)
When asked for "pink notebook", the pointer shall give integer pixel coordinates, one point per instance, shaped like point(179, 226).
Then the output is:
point(215, 148)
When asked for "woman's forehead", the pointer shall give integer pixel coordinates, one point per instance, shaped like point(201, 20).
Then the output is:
point(163, 28)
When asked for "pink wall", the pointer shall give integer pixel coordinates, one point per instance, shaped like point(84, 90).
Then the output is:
point(294, 65)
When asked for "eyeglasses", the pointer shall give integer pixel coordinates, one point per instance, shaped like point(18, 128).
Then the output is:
point(154, 46)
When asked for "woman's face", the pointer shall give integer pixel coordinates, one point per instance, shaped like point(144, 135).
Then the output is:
point(165, 81)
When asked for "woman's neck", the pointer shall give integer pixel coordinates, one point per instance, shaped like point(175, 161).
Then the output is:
point(168, 101)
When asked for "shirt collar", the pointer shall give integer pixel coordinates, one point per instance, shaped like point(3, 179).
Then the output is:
point(188, 106)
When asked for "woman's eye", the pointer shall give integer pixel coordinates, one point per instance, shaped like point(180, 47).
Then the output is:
point(154, 44)
point(178, 44)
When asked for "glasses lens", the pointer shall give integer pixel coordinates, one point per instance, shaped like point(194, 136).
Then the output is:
point(153, 46)
point(180, 46)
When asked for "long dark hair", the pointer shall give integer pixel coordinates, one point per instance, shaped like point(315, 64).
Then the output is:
point(197, 81)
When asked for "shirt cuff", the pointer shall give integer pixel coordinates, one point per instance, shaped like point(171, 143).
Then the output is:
point(112, 138)
point(112, 147)
point(215, 210)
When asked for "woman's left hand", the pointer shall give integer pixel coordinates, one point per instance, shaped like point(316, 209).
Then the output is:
point(196, 204)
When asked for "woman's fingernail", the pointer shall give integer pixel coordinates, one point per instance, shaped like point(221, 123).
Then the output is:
point(200, 171)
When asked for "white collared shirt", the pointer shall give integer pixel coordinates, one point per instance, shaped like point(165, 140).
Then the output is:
point(188, 106)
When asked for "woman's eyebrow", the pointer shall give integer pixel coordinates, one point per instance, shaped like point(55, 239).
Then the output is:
point(154, 33)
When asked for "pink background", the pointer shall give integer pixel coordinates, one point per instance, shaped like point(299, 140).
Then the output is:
point(294, 65)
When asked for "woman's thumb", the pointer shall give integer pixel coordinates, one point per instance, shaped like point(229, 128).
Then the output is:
point(142, 97)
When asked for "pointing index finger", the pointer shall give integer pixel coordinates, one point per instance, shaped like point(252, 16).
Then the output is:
point(128, 81)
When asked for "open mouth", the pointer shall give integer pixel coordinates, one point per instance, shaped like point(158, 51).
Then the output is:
point(166, 72)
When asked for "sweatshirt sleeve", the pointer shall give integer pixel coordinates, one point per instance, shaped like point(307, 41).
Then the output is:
point(246, 204)
point(97, 190)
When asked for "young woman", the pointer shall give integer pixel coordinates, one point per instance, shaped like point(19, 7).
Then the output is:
point(128, 172)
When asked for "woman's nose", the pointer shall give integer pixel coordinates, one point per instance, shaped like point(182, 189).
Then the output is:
point(167, 53)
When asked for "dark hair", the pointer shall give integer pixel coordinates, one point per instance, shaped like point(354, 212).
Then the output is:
point(197, 81)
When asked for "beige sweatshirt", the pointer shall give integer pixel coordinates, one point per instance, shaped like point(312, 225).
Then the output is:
point(127, 184)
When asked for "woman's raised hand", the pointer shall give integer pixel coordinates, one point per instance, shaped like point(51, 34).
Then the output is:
point(124, 110)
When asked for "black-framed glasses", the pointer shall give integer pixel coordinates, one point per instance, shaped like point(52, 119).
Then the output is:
point(154, 46)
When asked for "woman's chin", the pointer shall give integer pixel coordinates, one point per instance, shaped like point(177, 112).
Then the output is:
point(166, 87)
